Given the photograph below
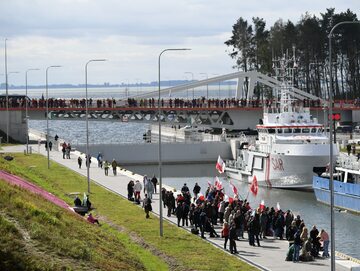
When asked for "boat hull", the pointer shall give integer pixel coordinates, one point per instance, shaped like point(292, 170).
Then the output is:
point(346, 195)
point(281, 171)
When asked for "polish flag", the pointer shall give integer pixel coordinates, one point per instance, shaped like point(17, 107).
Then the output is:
point(210, 184)
point(220, 165)
point(233, 187)
point(218, 183)
point(254, 186)
point(262, 205)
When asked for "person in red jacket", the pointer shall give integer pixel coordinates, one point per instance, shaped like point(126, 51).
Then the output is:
point(225, 233)
point(92, 219)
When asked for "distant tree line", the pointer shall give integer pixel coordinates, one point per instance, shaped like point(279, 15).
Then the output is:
point(253, 47)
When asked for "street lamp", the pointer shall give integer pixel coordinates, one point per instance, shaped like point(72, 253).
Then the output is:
point(7, 96)
point(47, 114)
point(7, 107)
point(332, 222)
point(159, 117)
point(87, 123)
point(192, 81)
point(26, 109)
point(207, 85)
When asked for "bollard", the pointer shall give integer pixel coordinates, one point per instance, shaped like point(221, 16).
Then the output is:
point(30, 149)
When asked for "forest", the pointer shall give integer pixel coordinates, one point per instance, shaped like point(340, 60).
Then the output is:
point(253, 46)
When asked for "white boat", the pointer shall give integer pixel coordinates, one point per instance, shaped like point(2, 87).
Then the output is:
point(289, 145)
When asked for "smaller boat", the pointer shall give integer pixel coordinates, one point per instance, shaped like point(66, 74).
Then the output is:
point(346, 184)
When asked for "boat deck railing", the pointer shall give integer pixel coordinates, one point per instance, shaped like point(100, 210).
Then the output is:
point(348, 161)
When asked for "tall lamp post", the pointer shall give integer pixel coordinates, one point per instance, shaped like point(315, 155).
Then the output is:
point(7, 95)
point(332, 221)
point(7, 106)
point(47, 114)
point(159, 118)
point(87, 122)
point(207, 85)
point(26, 109)
point(192, 81)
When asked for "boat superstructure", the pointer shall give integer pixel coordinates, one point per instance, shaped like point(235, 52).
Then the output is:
point(346, 185)
point(290, 142)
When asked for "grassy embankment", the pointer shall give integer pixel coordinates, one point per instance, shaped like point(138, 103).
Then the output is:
point(127, 237)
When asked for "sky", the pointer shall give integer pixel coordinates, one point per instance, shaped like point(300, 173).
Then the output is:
point(130, 34)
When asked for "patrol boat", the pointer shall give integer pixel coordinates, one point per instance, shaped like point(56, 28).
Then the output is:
point(346, 187)
point(290, 143)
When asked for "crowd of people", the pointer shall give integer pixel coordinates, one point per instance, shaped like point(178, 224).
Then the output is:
point(207, 213)
point(202, 102)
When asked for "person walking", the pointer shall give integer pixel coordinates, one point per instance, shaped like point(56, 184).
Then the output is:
point(68, 150)
point(147, 205)
point(232, 237)
point(137, 189)
point(114, 166)
point(63, 149)
point(225, 233)
point(130, 189)
point(99, 158)
point(145, 183)
point(50, 145)
point(106, 167)
point(179, 213)
point(154, 181)
point(149, 188)
point(79, 161)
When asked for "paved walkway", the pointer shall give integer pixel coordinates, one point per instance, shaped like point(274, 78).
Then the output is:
point(270, 256)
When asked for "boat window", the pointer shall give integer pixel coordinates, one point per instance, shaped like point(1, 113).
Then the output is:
point(279, 131)
point(313, 130)
point(297, 130)
point(271, 131)
point(287, 130)
point(306, 130)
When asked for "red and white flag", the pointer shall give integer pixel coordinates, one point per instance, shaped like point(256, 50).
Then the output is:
point(262, 205)
point(220, 165)
point(233, 187)
point(210, 184)
point(254, 186)
point(218, 183)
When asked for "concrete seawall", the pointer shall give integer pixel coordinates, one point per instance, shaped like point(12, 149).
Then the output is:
point(172, 153)
point(17, 124)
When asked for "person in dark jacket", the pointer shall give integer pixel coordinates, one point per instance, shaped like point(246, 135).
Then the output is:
point(154, 181)
point(130, 189)
point(179, 212)
point(254, 229)
point(196, 190)
point(185, 215)
point(147, 205)
point(232, 238)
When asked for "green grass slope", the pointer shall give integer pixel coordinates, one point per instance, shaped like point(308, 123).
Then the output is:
point(136, 237)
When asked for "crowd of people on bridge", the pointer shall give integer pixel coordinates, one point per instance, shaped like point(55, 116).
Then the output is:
point(202, 102)
point(220, 215)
